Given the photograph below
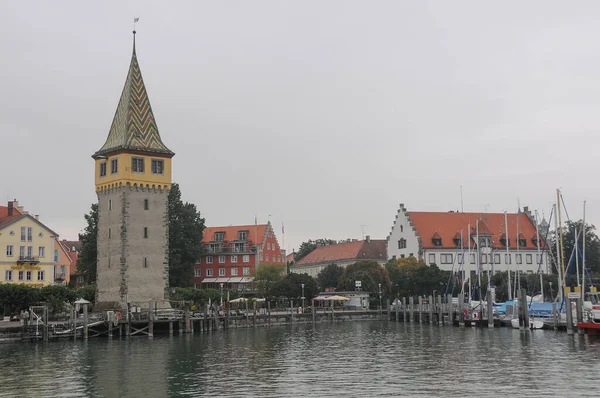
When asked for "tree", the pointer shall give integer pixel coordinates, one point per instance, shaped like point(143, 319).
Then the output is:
point(370, 274)
point(185, 234)
point(88, 255)
point(266, 277)
point(291, 287)
point(307, 247)
point(410, 277)
point(592, 245)
point(330, 276)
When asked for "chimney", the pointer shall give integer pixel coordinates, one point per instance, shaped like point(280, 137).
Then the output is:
point(10, 208)
point(37, 217)
point(368, 238)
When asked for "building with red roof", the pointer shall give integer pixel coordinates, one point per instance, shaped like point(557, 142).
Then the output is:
point(232, 253)
point(342, 254)
point(461, 241)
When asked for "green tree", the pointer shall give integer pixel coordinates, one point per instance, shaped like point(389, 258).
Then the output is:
point(291, 287)
point(185, 234)
point(370, 274)
point(266, 277)
point(330, 276)
point(592, 245)
point(307, 247)
point(88, 255)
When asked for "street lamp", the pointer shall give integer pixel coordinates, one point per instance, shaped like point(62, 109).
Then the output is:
point(379, 297)
point(302, 296)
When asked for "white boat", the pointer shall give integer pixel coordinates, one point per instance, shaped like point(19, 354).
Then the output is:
point(533, 323)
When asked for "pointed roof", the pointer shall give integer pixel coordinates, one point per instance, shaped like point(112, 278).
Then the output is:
point(134, 127)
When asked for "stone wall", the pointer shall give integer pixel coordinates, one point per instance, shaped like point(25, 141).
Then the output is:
point(132, 267)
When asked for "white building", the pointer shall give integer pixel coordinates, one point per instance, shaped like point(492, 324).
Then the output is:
point(449, 240)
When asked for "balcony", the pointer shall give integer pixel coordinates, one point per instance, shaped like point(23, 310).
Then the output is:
point(28, 260)
point(236, 247)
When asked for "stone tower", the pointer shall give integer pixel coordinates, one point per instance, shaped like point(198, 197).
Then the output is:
point(133, 178)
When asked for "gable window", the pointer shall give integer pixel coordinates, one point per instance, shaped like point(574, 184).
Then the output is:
point(221, 271)
point(401, 228)
point(219, 236)
point(23, 234)
point(431, 258)
point(242, 235)
point(402, 243)
point(157, 166)
point(103, 169)
point(9, 250)
point(114, 166)
point(29, 234)
point(209, 272)
point(221, 259)
point(137, 165)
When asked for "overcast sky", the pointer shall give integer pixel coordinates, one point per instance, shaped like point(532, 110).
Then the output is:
point(324, 115)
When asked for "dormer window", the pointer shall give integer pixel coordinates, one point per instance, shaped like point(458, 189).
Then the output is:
point(436, 239)
point(522, 241)
point(457, 239)
point(485, 242)
point(505, 242)
point(219, 236)
point(242, 235)
point(534, 240)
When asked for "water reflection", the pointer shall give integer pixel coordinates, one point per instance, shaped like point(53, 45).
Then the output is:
point(345, 359)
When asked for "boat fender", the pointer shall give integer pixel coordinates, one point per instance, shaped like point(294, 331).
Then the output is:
point(118, 316)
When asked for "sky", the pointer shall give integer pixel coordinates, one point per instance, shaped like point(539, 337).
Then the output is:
point(321, 116)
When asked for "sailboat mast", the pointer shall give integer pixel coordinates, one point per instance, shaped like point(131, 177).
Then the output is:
point(577, 256)
point(478, 259)
point(560, 234)
point(518, 259)
point(507, 260)
point(469, 249)
point(539, 255)
point(583, 255)
point(558, 257)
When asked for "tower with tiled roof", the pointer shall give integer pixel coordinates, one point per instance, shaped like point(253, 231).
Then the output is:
point(133, 177)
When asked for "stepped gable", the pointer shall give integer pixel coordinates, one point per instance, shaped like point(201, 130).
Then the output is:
point(447, 224)
point(133, 126)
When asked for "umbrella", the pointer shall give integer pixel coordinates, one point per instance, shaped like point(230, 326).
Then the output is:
point(337, 298)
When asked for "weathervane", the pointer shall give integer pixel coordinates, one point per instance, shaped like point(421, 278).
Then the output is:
point(134, 22)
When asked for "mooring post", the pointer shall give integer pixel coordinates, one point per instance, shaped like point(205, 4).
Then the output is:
point(554, 316)
point(461, 314)
point(254, 316)
point(150, 319)
point(269, 312)
point(579, 315)
point(569, 315)
point(246, 302)
point(523, 313)
point(438, 310)
point(45, 330)
point(490, 309)
point(411, 302)
point(389, 309)
point(74, 323)
point(449, 307)
point(205, 320)
point(397, 310)
point(186, 317)
point(110, 327)
point(170, 328)
point(431, 305)
point(85, 321)
point(314, 311)
point(404, 309)
point(128, 325)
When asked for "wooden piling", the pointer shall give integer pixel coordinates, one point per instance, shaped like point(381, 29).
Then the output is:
point(314, 311)
point(554, 316)
point(389, 309)
point(449, 307)
point(490, 309)
point(411, 303)
point(254, 316)
point(110, 328)
point(186, 319)
point(438, 310)
point(569, 315)
point(420, 309)
point(404, 309)
point(397, 310)
point(150, 319)
point(45, 329)
point(523, 313)
point(461, 313)
point(85, 321)
point(431, 305)
point(73, 317)
point(269, 312)
point(170, 328)
point(128, 325)
point(579, 310)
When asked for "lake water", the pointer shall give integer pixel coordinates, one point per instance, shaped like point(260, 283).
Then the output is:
point(351, 359)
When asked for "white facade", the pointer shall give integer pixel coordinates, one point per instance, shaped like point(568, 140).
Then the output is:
point(403, 240)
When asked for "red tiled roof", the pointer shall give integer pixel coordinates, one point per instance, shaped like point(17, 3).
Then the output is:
point(256, 233)
point(4, 211)
point(7, 220)
point(448, 224)
point(359, 250)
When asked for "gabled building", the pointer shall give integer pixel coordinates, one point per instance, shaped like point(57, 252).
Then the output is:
point(65, 259)
point(469, 241)
point(232, 253)
point(342, 254)
point(27, 247)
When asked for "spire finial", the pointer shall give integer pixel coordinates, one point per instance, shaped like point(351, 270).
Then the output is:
point(134, 32)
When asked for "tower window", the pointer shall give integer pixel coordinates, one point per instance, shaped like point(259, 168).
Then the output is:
point(110, 204)
point(114, 166)
point(137, 165)
point(145, 262)
point(102, 169)
point(157, 166)
point(109, 233)
point(145, 232)
point(146, 205)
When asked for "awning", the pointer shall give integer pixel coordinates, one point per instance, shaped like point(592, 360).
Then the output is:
point(209, 280)
point(236, 280)
point(221, 280)
point(248, 279)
